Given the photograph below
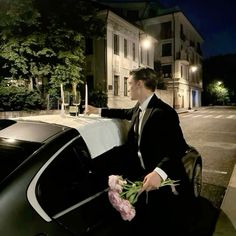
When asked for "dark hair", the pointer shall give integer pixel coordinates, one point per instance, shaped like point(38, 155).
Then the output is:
point(148, 75)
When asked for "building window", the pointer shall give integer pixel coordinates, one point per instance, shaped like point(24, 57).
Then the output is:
point(166, 32)
point(167, 71)
point(116, 44)
point(182, 35)
point(133, 51)
point(116, 85)
point(166, 49)
point(141, 55)
point(148, 59)
point(125, 48)
point(199, 51)
point(125, 86)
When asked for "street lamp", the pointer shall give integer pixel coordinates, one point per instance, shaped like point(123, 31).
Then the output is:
point(144, 43)
point(192, 69)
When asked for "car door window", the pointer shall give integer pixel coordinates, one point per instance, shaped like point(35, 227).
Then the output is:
point(72, 191)
point(67, 180)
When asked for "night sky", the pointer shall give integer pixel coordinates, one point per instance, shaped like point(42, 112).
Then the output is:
point(215, 20)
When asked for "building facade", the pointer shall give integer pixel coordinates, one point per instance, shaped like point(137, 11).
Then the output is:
point(124, 48)
point(179, 52)
point(177, 48)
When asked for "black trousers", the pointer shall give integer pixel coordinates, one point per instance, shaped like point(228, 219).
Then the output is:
point(163, 212)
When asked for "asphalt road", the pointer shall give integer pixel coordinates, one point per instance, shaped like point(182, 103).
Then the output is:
point(212, 130)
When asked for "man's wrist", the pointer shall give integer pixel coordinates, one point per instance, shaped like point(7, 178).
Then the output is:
point(161, 172)
point(99, 111)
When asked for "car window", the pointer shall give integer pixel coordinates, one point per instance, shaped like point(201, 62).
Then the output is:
point(67, 180)
point(5, 123)
point(13, 153)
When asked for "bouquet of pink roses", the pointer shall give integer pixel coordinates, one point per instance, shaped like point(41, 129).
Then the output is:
point(124, 193)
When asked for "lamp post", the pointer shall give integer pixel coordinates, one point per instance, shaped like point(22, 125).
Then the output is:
point(191, 69)
point(174, 58)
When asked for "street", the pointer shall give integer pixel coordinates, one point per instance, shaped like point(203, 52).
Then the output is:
point(212, 130)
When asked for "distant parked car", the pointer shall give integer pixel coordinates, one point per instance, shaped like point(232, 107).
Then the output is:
point(47, 184)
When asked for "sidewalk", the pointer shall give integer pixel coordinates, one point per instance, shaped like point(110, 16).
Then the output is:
point(185, 110)
point(226, 223)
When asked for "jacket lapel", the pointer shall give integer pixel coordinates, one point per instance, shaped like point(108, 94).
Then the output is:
point(151, 106)
point(154, 103)
point(134, 115)
point(145, 118)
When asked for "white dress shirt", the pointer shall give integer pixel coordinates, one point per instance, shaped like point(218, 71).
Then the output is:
point(143, 108)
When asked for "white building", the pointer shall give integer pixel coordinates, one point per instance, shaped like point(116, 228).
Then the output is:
point(179, 51)
point(177, 48)
point(112, 58)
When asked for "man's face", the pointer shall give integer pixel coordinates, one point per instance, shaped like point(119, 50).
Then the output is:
point(134, 88)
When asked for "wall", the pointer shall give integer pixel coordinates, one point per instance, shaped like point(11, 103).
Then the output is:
point(14, 114)
point(125, 102)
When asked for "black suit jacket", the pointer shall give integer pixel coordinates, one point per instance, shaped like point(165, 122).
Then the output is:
point(161, 144)
point(161, 139)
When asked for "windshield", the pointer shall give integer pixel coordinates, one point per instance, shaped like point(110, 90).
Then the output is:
point(13, 153)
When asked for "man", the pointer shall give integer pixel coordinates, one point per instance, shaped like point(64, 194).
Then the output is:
point(155, 141)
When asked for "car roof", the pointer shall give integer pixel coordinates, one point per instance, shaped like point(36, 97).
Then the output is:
point(100, 134)
point(30, 131)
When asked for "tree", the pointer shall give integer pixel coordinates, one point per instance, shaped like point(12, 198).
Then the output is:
point(44, 40)
point(220, 68)
point(219, 94)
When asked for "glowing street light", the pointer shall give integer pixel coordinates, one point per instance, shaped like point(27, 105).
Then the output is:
point(146, 43)
point(193, 68)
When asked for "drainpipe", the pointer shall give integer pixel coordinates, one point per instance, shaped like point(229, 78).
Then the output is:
point(105, 54)
point(173, 67)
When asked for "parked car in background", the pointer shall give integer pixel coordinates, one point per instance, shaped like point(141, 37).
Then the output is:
point(47, 183)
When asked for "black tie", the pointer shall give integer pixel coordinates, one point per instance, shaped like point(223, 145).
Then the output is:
point(136, 124)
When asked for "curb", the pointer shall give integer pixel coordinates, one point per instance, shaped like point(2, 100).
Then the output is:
point(226, 223)
point(180, 111)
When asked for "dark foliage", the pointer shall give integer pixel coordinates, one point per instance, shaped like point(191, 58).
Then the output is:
point(20, 98)
point(220, 68)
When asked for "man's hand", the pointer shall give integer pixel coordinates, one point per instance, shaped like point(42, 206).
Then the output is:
point(91, 110)
point(152, 181)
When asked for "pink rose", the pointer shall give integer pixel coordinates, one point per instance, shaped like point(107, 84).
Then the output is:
point(122, 194)
point(126, 210)
point(115, 183)
point(114, 198)
point(128, 215)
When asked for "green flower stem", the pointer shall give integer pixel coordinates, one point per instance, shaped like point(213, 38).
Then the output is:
point(131, 190)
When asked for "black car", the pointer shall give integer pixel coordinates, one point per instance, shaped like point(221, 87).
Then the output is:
point(47, 185)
